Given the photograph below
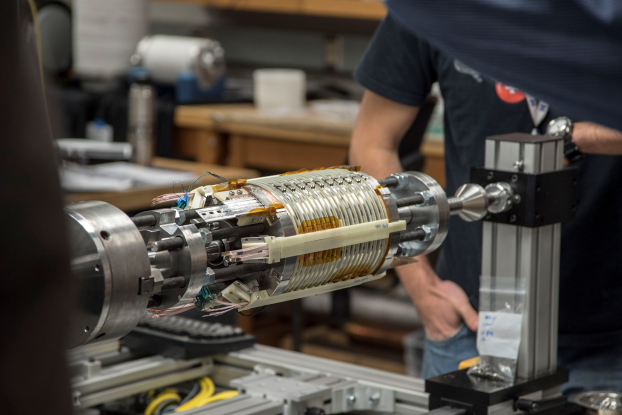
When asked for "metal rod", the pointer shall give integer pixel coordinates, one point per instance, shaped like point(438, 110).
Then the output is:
point(238, 271)
point(187, 215)
point(416, 235)
point(174, 282)
point(213, 250)
point(144, 220)
point(237, 231)
point(389, 182)
point(405, 214)
point(168, 244)
point(455, 205)
point(417, 199)
point(297, 325)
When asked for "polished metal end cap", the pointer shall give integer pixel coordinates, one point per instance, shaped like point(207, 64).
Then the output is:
point(471, 202)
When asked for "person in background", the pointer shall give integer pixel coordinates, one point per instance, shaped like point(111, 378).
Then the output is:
point(398, 71)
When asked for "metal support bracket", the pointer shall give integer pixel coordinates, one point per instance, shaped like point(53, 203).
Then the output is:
point(543, 199)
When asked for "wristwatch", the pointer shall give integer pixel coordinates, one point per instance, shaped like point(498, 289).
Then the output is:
point(562, 127)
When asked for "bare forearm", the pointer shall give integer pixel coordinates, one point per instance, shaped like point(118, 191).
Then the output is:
point(595, 139)
point(380, 126)
point(378, 163)
point(417, 277)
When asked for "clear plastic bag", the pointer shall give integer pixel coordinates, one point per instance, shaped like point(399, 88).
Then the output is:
point(499, 332)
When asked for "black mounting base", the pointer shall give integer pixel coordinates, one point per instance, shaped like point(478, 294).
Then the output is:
point(476, 395)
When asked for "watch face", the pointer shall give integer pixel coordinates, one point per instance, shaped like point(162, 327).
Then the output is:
point(558, 127)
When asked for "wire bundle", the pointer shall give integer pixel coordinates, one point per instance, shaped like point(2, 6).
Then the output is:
point(202, 393)
point(225, 308)
point(204, 301)
point(171, 311)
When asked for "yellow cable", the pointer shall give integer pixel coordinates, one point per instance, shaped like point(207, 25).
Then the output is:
point(219, 397)
point(164, 396)
point(207, 390)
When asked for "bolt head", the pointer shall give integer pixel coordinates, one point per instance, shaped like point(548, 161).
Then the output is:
point(490, 176)
point(351, 399)
point(374, 399)
point(231, 193)
point(240, 192)
point(204, 233)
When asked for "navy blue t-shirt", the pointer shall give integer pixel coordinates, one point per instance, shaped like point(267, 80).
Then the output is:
point(567, 52)
point(401, 67)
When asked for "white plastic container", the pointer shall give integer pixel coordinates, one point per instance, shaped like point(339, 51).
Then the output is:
point(166, 56)
point(282, 90)
point(105, 34)
point(100, 131)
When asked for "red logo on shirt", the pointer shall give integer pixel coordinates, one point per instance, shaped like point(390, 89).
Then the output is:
point(509, 94)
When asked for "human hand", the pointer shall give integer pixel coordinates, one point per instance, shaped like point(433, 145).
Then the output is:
point(441, 305)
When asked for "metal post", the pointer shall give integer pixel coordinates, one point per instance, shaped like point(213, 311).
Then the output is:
point(530, 254)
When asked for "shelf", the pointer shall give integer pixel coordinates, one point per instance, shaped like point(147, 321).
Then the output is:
point(354, 9)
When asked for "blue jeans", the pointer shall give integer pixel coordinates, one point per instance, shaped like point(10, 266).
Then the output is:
point(444, 356)
point(591, 368)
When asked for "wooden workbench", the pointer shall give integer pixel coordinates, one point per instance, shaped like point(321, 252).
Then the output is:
point(140, 198)
point(238, 135)
point(354, 9)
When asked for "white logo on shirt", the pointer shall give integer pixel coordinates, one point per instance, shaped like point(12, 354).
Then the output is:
point(462, 68)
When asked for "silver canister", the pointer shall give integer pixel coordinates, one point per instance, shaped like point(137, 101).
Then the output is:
point(141, 121)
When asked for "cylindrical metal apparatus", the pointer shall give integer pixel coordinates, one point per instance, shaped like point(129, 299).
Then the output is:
point(249, 243)
point(328, 199)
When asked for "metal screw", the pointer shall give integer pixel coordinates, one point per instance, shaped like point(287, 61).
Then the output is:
point(514, 178)
point(516, 199)
point(519, 165)
point(240, 192)
point(490, 175)
point(351, 399)
point(231, 193)
point(513, 218)
point(374, 399)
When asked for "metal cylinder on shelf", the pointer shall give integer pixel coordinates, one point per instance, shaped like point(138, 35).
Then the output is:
point(141, 120)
